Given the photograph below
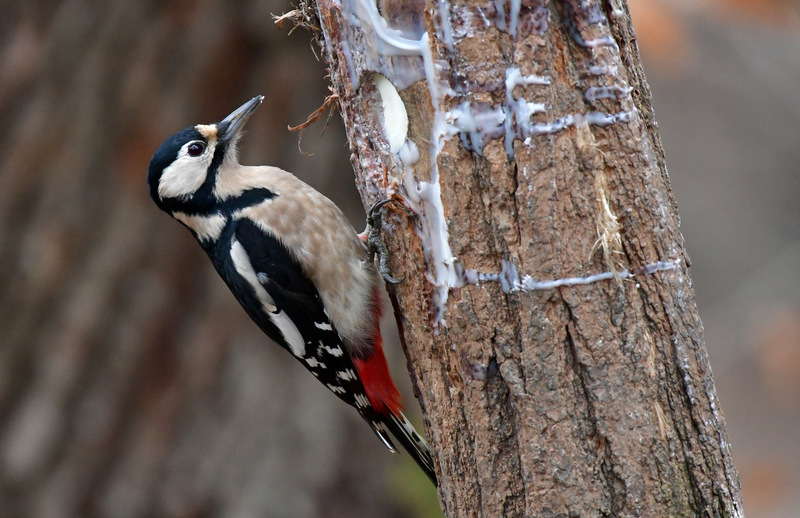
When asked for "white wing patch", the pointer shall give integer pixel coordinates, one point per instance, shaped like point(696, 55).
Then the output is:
point(281, 320)
point(207, 228)
point(290, 332)
point(243, 266)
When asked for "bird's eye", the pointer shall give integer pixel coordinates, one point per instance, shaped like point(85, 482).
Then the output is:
point(196, 148)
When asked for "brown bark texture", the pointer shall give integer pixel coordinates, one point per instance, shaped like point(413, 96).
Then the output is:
point(538, 155)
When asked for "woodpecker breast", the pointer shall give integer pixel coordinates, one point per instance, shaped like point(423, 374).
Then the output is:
point(320, 239)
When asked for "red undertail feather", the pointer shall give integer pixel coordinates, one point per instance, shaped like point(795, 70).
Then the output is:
point(374, 374)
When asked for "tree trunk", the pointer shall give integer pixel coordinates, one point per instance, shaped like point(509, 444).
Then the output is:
point(546, 309)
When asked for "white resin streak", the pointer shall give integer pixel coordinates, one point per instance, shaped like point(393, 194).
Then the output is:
point(510, 281)
point(426, 196)
point(528, 283)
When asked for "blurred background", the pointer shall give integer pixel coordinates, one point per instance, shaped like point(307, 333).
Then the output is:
point(132, 384)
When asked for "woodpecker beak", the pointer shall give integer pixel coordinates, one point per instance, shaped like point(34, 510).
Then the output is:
point(231, 126)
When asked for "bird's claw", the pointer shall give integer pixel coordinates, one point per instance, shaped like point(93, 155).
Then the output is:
point(375, 244)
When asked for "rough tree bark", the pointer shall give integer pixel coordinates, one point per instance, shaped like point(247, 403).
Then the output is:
point(531, 149)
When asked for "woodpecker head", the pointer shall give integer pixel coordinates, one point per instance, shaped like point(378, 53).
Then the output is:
point(183, 171)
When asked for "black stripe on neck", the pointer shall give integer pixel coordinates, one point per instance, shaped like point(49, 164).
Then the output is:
point(248, 198)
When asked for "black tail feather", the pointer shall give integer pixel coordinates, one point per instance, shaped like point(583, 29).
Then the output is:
point(410, 439)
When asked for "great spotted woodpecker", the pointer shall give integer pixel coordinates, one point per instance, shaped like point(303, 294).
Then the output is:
point(293, 262)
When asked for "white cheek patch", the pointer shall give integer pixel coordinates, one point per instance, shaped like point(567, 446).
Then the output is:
point(186, 174)
point(281, 320)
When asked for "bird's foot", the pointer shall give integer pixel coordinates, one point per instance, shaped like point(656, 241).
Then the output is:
point(374, 241)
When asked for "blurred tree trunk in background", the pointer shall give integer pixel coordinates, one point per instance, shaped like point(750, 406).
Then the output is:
point(131, 383)
point(593, 400)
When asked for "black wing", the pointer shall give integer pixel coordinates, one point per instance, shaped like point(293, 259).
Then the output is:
point(294, 315)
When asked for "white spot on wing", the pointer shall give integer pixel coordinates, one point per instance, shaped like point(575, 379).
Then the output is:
point(361, 401)
point(207, 228)
point(324, 326)
point(281, 320)
point(336, 389)
point(314, 363)
point(346, 375)
point(333, 351)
